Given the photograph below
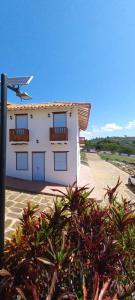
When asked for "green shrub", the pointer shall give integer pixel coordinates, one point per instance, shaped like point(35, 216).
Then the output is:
point(83, 156)
point(80, 250)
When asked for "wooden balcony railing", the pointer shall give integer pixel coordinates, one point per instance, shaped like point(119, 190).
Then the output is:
point(19, 135)
point(59, 134)
point(82, 141)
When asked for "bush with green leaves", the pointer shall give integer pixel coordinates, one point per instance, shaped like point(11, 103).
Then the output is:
point(80, 250)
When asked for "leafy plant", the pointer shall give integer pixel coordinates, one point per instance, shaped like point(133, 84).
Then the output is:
point(80, 250)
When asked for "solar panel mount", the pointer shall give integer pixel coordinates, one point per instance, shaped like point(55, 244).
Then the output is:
point(22, 80)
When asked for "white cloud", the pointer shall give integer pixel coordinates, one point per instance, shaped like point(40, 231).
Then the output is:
point(100, 131)
point(94, 132)
point(87, 134)
point(96, 129)
point(111, 127)
point(130, 125)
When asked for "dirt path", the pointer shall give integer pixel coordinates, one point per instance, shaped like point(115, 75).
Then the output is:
point(105, 174)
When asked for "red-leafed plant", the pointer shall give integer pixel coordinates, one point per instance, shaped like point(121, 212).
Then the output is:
point(80, 250)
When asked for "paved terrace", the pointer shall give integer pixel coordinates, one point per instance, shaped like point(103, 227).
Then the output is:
point(19, 192)
point(98, 174)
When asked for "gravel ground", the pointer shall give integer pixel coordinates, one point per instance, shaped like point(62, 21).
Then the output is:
point(126, 167)
point(105, 174)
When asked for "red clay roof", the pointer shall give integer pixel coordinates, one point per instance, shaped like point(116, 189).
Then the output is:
point(83, 109)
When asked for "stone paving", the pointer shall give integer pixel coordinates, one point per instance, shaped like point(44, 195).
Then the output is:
point(98, 174)
point(16, 201)
point(17, 196)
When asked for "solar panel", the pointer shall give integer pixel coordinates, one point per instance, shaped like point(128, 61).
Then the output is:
point(19, 80)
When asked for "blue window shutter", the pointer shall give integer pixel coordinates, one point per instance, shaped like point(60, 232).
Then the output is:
point(22, 121)
point(22, 161)
point(60, 161)
point(59, 120)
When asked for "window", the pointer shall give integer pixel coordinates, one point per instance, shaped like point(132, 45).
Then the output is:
point(60, 161)
point(21, 160)
point(21, 121)
point(59, 119)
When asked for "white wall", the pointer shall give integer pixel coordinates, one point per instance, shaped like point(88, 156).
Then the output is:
point(39, 130)
point(78, 150)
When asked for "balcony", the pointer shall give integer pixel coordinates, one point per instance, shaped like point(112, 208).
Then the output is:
point(82, 141)
point(19, 135)
point(59, 134)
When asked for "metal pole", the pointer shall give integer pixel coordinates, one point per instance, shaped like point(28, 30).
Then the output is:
point(3, 130)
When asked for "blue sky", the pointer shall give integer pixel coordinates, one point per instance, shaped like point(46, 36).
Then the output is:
point(77, 50)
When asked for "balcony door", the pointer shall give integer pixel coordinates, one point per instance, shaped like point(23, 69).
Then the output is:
point(59, 120)
point(21, 121)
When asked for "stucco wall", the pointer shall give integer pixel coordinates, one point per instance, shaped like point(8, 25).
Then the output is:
point(38, 127)
point(78, 151)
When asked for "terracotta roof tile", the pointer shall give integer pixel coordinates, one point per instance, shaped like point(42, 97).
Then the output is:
point(83, 109)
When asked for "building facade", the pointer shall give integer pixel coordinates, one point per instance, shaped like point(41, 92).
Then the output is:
point(43, 141)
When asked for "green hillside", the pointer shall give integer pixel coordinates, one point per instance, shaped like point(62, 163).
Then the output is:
point(113, 144)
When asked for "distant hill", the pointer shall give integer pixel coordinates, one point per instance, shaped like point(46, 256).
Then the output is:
point(114, 144)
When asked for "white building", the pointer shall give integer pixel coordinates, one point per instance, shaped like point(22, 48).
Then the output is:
point(43, 141)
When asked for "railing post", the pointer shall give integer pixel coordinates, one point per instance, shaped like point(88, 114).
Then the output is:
point(58, 133)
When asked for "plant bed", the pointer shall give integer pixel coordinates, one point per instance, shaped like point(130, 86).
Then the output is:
point(126, 164)
point(80, 250)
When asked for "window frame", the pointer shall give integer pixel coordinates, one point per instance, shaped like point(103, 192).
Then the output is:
point(59, 113)
point(17, 115)
point(66, 166)
point(21, 152)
